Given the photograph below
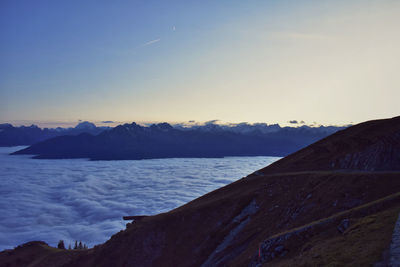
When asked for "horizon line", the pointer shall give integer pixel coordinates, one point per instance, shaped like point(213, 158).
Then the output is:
point(111, 123)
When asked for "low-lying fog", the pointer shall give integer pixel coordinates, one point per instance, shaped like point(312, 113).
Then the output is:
point(85, 200)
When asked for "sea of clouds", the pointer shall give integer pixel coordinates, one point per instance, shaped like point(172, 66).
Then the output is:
point(85, 200)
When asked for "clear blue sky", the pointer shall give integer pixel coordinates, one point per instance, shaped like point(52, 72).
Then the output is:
point(257, 61)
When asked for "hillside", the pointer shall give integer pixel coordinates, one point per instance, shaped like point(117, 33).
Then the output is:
point(133, 141)
point(369, 146)
point(301, 211)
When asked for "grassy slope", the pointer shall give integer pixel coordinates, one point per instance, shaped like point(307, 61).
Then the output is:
point(362, 244)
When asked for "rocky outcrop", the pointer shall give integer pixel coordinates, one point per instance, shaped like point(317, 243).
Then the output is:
point(342, 227)
point(382, 155)
point(240, 221)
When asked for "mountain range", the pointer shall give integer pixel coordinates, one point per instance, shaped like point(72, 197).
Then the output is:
point(333, 203)
point(28, 135)
point(133, 141)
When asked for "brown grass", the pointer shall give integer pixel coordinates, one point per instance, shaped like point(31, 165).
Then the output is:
point(362, 244)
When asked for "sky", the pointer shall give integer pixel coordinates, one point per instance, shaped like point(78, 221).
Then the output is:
point(331, 62)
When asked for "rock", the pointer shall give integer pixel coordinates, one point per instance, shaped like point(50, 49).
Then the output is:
point(395, 246)
point(343, 225)
point(279, 249)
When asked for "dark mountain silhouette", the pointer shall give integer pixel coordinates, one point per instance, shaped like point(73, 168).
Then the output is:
point(132, 141)
point(369, 146)
point(284, 215)
point(28, 135)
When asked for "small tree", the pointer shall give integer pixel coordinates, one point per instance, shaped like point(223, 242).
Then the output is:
point(76, 245)
point(69, 246)
point(80, 246)
point(61, 244)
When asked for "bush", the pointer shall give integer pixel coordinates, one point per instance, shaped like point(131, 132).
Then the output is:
point(61, 244)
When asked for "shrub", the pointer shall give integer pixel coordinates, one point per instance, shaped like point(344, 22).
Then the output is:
point(61, 244)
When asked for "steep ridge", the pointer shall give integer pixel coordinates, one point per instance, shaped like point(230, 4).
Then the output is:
point(371, 146)
point(228, 227)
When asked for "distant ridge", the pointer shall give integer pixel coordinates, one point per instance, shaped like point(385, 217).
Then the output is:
point(133, 141)
point(28, 135)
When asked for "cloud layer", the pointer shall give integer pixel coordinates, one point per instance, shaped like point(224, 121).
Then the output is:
point(85, 200)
